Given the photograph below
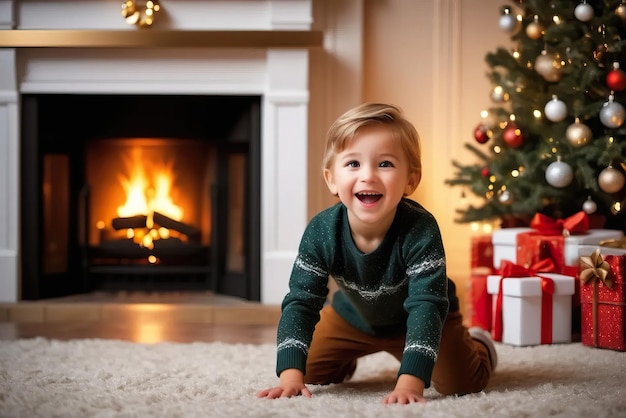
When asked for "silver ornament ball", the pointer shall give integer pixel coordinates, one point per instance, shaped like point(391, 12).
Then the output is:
point(612, 114)
point(508, 23)
point(559, 174)
point(583, 12)
point(589, 206)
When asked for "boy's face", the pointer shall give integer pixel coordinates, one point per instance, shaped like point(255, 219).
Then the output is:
point(370, 176)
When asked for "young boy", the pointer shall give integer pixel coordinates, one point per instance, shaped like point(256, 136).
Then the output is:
point(386, 255)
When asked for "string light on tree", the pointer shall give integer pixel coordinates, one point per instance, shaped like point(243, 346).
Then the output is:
point(620, 12)
point(499, 95)
point(559, 174)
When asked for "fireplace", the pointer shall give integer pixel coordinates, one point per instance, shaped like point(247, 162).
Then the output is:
point(202, 50)
point(148, 192)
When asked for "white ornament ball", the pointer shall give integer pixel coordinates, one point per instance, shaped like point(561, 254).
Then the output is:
point(612, 114)
point(505, 197)
point(589, 206)
point(578, 134)
point(509, 23)
point(559, 174)
point(555, 110)
point(583, 12)
point(611, 180)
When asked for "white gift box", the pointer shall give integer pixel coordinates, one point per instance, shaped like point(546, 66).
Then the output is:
point(505, 243)
point(521, 308)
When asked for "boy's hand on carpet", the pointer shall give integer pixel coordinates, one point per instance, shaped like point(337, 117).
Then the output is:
point(291, 384)
point(409, 389)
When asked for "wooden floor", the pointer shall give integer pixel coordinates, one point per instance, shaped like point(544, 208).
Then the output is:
point(142, 317)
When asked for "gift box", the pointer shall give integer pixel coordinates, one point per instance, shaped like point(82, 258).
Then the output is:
point(482, 251)
point(532, 310)
point(479, 305)
point(548, 238)
point(526, 246)
point(505, 244)
point(564, 251)
point(603, 298)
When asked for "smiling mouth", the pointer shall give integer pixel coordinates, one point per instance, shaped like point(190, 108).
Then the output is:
point(369, 198)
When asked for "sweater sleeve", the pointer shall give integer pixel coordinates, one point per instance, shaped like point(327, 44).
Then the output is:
point(427, 301)
point(308, 288)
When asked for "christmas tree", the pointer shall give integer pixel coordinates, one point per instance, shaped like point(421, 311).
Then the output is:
point(554, 140)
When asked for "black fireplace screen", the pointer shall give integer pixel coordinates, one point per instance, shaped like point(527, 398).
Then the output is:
point(140, 193)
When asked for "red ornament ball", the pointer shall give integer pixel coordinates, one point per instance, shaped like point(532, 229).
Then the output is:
point(512, 136)
point(485, 172)
point(616, 80)
point(480, 134)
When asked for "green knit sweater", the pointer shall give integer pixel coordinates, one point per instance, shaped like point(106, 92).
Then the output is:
point(399, 287)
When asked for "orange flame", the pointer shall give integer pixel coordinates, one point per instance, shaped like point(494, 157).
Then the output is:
point(143, 197)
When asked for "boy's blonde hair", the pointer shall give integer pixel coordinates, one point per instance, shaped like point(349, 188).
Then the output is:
point(346, 126)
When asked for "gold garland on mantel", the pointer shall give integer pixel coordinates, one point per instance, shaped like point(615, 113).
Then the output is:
point(22, 38)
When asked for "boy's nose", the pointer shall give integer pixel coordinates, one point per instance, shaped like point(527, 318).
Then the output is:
point(367, 172)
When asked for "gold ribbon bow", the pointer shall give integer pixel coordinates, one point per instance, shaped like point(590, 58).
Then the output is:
point(595, 267)
point(613, 243)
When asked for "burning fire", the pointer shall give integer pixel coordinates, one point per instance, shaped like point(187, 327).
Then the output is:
point(145, 197)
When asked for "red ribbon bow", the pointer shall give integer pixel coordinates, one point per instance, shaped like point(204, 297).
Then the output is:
point(512, 270)
point(575, 224)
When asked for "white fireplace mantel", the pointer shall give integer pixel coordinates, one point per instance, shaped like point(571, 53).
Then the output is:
point(279, 75)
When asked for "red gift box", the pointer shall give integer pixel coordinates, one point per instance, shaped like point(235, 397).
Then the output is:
point(482, 251)
point(480, 304)
point(532, 247)
point(603, 301)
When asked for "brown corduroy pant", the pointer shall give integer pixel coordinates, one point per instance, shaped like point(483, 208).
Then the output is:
point(462, 365)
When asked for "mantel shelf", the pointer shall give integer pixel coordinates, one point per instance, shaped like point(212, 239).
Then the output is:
point(151, 38)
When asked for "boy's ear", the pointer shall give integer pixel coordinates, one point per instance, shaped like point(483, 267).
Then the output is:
point(330, 182)
point(411, 184)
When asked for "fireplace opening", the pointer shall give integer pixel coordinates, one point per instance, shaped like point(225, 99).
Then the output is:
point(140, 192)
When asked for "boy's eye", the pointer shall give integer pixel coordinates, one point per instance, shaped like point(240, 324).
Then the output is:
point(385, 164)
point(352, 164)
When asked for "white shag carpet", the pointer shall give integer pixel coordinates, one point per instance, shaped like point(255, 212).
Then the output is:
point(106, 378)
